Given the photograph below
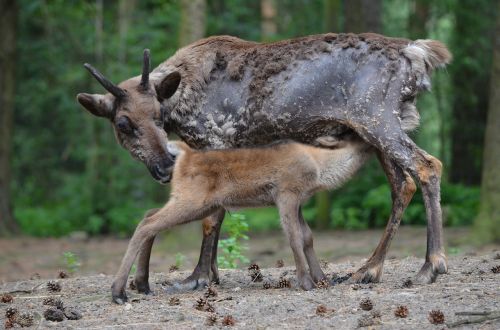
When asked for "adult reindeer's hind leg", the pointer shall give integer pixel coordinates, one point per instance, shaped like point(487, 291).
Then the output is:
point(402, 189)
point(389, 138)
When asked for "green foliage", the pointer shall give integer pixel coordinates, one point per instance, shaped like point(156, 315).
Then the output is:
point(179, 260)
point(232, 248)
point(70, 174)
point(71, 261)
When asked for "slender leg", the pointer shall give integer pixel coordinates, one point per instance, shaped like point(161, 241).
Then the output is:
point(397, 146)
point(288, 206)
point(200, 277)
point(170, 215)
point(314, 266)
point(141, 278)
point(402, 189)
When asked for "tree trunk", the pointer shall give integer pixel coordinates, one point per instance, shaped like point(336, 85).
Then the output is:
point(418, 19)
point(8, 17)
point(487, 225)
point(332, 16)
point(268, 22)
point(125, 10)
point(363, 16)
point(193, 17)
point(470, 72)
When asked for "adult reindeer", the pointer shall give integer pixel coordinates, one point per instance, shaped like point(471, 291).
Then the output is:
point(224, 92)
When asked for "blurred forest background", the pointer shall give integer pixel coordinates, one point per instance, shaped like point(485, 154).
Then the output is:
point(61, 170)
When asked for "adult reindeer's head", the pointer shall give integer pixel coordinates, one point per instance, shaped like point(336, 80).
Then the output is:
point(134, 107)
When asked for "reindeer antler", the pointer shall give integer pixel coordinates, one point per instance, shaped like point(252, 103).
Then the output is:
point(108, 85)
point(145, 70)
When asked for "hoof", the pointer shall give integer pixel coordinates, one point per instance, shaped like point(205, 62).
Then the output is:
point(319, 276)
point(120, 298)
point(191, 285)
point(307, 283)
point(367, 274)
point(143, 288)
point(429, 272)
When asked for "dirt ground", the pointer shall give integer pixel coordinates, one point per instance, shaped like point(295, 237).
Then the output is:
point(471, 287)
point(20, 258)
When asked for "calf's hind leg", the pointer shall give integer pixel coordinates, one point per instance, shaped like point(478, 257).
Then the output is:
point(201, 276)
point(288, 206)
point(314, 266)
point(402, 189)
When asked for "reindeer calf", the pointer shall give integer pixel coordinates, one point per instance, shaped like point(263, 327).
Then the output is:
point(284, 174)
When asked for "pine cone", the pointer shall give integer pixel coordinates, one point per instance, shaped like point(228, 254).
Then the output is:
point(25, 320)
point(9, 324)
point(7, 298)
point(211, 291)
point(11, 313)
point(56, 302)
point(72, 313)
point(401, 311)
point(53, 314)
point(321, 310)
point(174, 301)
point(266, 285)
point(173, 268)
point(408, 284)
point(254, 266)
point(211, 320)
point(228, 321)
point(283, 283)
point(496, 269)
point(323, 284)
point(53, 286)
point(366, 304)
point(436, 317)
point(203, 305)
point(132, 285)
point(62, 274)
point(280, 263)
point(256, 275)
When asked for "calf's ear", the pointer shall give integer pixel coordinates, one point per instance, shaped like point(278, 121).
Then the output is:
point(168, 86)
point(96, 104)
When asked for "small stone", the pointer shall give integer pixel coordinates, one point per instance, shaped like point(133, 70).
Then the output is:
point(72, 313)
point(321, 310)
point(366, 304)
point(53, 314)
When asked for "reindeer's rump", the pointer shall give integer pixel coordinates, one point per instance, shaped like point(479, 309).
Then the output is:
point(309, 87)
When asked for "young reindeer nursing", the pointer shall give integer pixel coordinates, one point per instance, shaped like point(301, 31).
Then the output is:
point(283, 174)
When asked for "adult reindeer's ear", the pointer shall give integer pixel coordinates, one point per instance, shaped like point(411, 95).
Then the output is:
point(168, 85)
point(96, 104)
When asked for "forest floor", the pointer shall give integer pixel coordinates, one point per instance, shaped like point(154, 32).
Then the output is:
point(470, 287)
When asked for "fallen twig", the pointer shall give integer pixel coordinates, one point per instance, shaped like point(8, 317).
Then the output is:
point(26, 291)
point(490, 316)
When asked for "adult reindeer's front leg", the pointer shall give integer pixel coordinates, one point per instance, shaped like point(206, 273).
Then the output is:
point(402, 189)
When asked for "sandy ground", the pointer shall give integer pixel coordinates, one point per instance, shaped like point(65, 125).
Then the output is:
point(469, 287)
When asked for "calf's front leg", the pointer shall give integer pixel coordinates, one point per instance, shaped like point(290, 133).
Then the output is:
point(170, 215)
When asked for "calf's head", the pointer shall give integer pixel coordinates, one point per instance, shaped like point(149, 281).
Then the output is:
point(134, 108)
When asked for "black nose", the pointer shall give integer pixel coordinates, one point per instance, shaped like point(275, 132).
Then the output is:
point(160, 171)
